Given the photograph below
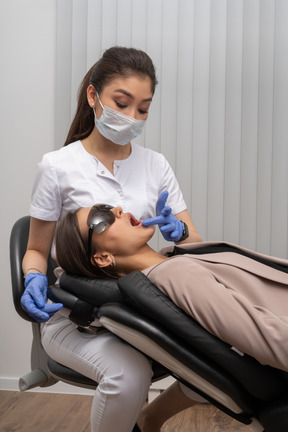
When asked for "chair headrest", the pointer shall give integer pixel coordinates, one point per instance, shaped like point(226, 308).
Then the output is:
point(94, 291)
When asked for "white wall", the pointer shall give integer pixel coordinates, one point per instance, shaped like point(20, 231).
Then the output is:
point(220, 111)
point(27, 89)
point(27, 124)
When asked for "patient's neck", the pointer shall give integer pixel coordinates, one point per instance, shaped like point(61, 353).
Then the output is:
point(146, 258)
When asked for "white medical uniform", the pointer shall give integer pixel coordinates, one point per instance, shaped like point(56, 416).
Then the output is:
point(70, 178)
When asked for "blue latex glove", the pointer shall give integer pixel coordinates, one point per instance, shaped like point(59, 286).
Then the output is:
point(170, 227)
point(33, 300)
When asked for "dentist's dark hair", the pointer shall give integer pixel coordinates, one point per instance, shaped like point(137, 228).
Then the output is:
point(116, 61)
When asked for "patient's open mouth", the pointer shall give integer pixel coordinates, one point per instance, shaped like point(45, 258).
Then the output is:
point(133, 221)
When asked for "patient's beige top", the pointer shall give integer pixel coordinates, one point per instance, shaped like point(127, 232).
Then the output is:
point(239, 300)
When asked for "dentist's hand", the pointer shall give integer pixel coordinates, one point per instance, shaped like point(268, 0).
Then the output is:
point(170, 227)
point(33, 300)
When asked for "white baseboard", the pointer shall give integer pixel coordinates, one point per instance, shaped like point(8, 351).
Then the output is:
point(60, 387)
point(11, 384)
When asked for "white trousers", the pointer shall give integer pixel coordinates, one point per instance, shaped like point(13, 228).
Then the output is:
point(123, 374)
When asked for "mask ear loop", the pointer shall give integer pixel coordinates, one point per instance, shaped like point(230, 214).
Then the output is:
point(99, 100)
point(93, 103)
point(93, 107)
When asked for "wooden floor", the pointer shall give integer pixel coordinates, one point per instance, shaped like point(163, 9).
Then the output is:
point(46, 412)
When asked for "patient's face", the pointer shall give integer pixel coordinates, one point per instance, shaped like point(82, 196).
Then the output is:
point(125, 236)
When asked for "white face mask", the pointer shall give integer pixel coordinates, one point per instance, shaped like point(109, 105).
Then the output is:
point(118, 127)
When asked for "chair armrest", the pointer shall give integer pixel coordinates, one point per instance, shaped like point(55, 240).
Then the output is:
point(58, 295)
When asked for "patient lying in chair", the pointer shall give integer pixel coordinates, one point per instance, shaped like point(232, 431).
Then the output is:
point(237, 295)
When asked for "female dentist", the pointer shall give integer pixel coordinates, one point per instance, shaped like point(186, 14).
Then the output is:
point(99, 162)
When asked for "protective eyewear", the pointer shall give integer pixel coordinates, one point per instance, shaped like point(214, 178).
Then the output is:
point(99, 219)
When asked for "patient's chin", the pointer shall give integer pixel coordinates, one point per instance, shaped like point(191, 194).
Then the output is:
point(150, 231)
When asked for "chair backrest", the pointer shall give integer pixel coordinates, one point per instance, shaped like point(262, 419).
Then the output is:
point(18, 245)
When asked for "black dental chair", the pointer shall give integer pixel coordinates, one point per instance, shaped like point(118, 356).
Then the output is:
point(135, 310)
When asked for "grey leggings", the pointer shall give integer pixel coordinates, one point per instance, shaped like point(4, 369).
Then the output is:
point(123, 374)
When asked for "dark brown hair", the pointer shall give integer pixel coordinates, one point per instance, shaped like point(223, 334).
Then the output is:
point(116, 61)
point(72, 250)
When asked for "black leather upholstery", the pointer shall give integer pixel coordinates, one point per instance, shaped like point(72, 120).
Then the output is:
point(95, 291)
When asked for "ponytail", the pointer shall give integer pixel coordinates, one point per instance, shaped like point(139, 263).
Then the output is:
point(83, 122)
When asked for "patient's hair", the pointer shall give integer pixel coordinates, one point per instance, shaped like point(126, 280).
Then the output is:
point(72, 250)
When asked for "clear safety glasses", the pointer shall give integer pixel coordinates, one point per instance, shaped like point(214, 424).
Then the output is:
point(99, 219)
